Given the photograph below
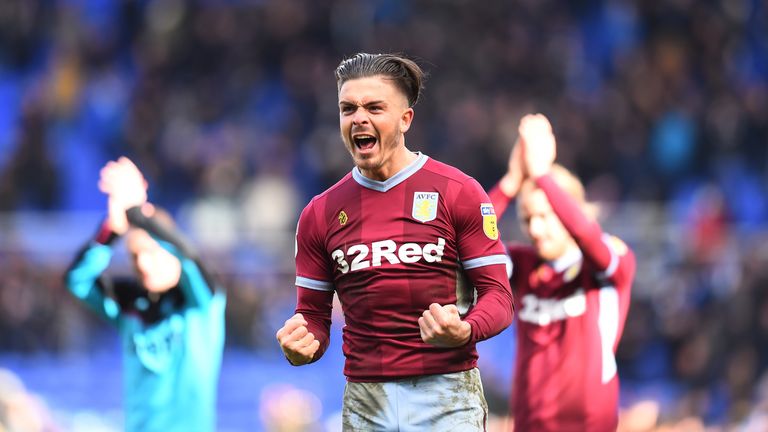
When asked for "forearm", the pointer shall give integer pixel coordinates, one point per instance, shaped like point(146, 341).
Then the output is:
point(83, 274)
point(586, 232)
point(499, 199)
point(160, 232)
point(316, 307)
point(495, 306)
point(197, 283)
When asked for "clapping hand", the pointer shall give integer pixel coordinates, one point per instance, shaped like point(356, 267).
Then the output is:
point(538, 145)
point(126, 187)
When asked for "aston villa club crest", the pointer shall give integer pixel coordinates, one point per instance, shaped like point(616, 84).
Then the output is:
point(425, 206)
point(489, 221)
point(343, 218)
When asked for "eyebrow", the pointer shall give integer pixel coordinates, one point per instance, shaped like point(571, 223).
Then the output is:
point(375, 102)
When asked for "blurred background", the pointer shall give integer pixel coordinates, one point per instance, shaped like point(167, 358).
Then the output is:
point(229, 108)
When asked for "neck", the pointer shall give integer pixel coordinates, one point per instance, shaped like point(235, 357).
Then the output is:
point(399, 160)
point(569, 254)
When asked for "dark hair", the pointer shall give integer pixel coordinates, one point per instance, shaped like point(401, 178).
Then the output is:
point(406, 74)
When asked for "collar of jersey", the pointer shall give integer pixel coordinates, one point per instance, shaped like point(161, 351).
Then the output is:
point(401, 176)
point(566, 260)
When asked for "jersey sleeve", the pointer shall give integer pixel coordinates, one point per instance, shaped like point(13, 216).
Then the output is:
point(621, 272)
point(313, 265)
point(196, 282)
point(315, 306)
point(84, 277)
point(500, 201)
point(483, 257)
point(313, 277)
point(609, 254)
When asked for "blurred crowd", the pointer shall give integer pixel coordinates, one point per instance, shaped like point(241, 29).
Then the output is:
point(219, 100)
point(229, 107)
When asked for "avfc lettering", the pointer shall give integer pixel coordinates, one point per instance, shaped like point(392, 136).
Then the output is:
point(426, 195)
point(387, 250)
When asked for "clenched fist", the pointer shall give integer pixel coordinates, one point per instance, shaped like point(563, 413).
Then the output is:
point(297, 343)
point(442, 326)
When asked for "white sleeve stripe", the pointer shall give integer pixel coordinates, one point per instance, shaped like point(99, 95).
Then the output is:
point(608, 324)
point(485, 261)
point(313, 284)
point(612, 266)
point(608, 272)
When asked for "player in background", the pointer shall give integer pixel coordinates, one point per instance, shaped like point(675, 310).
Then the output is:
point(573, 289)
point(411, 248)
point(170, 317)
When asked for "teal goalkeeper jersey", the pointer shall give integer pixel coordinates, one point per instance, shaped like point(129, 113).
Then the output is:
point(172, 346)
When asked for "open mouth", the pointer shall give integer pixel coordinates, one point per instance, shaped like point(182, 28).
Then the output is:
point(364, 142)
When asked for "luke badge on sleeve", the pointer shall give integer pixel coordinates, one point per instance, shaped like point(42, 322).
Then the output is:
point(489, 221)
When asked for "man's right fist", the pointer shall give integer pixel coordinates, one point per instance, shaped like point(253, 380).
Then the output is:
point(297, 343)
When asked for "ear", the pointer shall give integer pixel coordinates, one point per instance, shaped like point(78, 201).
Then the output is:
point(405, 120)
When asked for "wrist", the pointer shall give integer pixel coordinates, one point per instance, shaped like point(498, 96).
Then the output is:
point(540, 176)
point(106, 234)
point(539, 173)
point(301, 361)
point(467, 333)
point(509, 185)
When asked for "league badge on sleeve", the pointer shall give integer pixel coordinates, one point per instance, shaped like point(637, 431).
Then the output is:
point(425, 206)
point(489, 221)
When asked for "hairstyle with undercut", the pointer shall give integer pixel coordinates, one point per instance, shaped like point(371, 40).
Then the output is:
point(406, 74)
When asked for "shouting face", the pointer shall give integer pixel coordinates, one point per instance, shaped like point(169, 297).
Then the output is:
point(373, 117)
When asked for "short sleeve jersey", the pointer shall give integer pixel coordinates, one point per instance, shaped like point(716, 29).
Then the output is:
point(390, 249)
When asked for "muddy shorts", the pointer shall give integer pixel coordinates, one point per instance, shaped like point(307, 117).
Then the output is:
point(448, 402)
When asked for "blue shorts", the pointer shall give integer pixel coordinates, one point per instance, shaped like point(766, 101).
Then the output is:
point(447, 402)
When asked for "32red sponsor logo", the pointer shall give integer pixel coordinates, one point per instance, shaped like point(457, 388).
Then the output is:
point(362, 256)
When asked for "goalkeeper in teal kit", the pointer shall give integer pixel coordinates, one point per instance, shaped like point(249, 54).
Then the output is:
point(170, 318)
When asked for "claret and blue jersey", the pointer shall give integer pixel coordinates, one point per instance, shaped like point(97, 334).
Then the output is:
point(570, 317)
point(389, 249)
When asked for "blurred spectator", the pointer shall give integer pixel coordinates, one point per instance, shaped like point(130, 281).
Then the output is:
point(30, 179)
point(285, 408)
point(169, 312)
point(20, 410)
